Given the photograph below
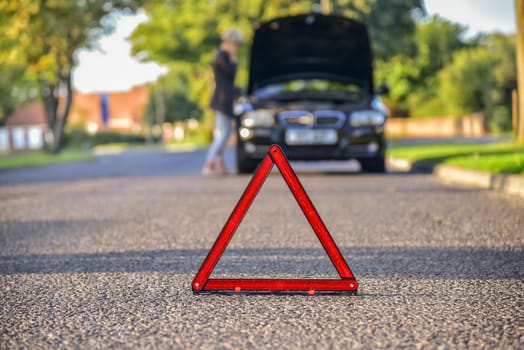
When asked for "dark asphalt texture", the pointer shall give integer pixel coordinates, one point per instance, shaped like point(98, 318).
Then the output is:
point(101, 254)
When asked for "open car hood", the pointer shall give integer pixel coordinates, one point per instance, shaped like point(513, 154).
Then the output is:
point(311, 46)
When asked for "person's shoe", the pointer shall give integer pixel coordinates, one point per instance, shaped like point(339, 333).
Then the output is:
point(208, 169)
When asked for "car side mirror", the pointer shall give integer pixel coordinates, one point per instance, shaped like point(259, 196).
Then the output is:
point(383, 89)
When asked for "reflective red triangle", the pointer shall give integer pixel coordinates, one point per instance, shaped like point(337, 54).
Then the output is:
point(203, 284)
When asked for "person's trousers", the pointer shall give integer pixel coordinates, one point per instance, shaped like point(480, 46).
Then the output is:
point(221, 132)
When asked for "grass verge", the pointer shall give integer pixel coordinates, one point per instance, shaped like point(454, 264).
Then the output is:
point(189, 143)
point(41, 158)
point(505, 158)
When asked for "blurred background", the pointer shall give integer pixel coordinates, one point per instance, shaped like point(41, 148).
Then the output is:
point(81, 75)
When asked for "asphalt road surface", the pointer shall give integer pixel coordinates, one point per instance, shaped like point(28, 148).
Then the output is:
point(101, 254)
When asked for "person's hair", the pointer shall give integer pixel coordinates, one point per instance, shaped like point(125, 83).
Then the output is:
point(233, 35)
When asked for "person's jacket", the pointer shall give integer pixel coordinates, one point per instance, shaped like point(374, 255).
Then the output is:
point(224, 72)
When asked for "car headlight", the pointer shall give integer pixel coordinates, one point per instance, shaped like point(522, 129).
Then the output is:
point(258, 118)
point(366, 118)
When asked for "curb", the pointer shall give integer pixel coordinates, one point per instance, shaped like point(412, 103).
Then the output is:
point(404, 165)
point(510, 184)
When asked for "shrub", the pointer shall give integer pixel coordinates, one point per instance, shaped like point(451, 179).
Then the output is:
point(104, 137)
point(500, 120)
point(77, 137)
point(423, 104)
point(466, 83)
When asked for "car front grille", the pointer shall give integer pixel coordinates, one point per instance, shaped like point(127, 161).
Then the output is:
point(330, 118)
point(322, 119)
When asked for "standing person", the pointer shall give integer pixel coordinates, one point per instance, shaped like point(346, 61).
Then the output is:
point(224, 70)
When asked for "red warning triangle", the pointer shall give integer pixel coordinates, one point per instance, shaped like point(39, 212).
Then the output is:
point(347, 282)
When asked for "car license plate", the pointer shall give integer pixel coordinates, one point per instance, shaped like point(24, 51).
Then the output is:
point(311, 137)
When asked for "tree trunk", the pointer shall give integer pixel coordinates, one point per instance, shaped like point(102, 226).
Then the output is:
point(61, 121)
point(519, 10)
point(514, 114)
point(160, 110)
point(56, 121)
point(48, 92)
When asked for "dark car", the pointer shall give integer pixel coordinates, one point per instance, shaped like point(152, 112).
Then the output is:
point(311, 91)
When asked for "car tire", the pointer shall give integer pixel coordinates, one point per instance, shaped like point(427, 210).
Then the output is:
point(246, 165)
point(373, 165)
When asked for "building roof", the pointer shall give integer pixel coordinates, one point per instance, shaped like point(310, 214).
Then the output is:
point(30, 114)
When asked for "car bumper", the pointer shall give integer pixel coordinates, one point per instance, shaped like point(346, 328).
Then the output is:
point(353, 143)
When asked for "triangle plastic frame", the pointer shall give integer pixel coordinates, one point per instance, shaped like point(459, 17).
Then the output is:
point(347, 282)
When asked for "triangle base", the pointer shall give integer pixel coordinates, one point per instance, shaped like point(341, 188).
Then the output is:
point(279, 286)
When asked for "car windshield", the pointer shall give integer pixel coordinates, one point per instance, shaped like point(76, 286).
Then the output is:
point(310, 86)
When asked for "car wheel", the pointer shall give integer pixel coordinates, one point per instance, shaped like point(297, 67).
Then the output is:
point(246, 165)
point(373, 165)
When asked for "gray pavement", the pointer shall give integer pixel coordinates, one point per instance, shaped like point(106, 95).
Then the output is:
point(101, 254)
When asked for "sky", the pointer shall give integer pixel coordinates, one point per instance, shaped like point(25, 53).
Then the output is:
point(112, 68)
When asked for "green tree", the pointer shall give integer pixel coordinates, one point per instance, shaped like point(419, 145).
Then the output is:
point(193, 26)
point(437, 39)
point(504, 77)
point(504, 73)
point(466, 83)
point(178, 107)
point(391, 23)
point(15, 85)
point(16, 88)
point(43, 36)
point(413, 78)
point(402, 74)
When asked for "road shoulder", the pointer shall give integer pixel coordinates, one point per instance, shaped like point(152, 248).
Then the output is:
point(510, 184)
